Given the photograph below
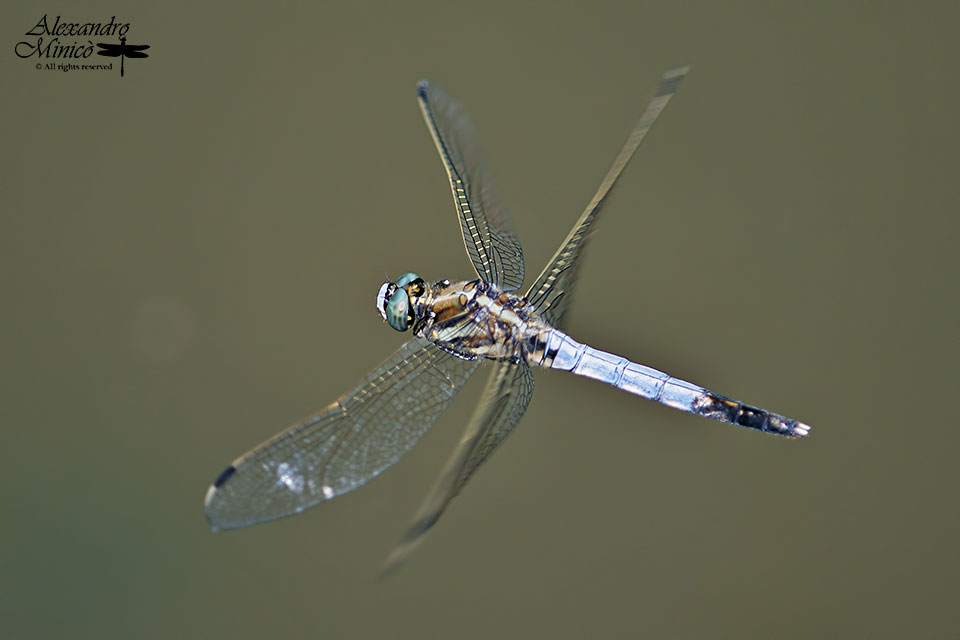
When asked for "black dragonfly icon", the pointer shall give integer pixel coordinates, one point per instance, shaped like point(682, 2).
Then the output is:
point(122, 50)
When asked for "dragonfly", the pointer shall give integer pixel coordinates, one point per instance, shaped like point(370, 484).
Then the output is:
point(456, 326)
point(122, 50)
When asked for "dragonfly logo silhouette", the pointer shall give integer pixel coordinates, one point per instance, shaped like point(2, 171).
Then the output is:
point(122, 50)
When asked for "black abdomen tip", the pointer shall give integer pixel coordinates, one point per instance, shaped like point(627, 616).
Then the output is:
point(752, 418)
point(224, 476)
point(422, 89)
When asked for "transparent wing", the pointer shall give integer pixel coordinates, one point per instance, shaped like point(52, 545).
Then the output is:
point(504, 402)
point(550, 293)
point(488, 236)
point(343, 446)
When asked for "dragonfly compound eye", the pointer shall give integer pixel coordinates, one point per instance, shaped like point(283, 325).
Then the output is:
point(406, 279)
point(397, 310)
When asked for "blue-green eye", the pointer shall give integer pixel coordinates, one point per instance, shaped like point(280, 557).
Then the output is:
point(406, 279)
point(397, 310)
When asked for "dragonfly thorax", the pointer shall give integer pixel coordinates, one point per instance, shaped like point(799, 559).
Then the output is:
point(474, 319)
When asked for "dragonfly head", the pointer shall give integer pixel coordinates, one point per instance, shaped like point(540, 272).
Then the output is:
point(395, 300)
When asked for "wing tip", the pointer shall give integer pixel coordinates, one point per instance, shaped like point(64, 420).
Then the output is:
point(225, 475)
point(390, 565)
point(397, 558)
point(676, 72)
point(207, 511)
point(212, 492)
point(411, 540)
point(670, 79)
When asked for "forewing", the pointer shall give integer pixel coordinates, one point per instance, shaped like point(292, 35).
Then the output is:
point(504, 402)
point(551, 292)
point(488, 236)
point(343, 446)
point(109, 50)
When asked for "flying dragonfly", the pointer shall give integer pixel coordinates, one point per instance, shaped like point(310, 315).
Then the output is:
point(456, 326)
point(122, 50)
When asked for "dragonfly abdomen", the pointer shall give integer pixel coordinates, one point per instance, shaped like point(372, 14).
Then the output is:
point(564, 353)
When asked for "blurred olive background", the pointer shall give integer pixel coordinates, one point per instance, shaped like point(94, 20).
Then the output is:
point(190, 256)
